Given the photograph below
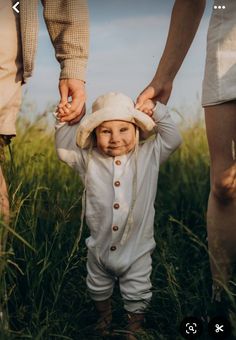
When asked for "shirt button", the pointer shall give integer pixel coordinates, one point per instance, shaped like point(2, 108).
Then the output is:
point(115, 227)
point(118, 162)
point(117, 183)
point(113, 248)
point(116, 206)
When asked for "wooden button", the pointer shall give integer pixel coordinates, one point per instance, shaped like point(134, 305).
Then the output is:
point(115, 227)
point(116, 206)
point(118, 162)
point(117, 183)
point(113, 248)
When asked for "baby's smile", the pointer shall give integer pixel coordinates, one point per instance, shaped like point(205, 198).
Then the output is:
point(115, 137)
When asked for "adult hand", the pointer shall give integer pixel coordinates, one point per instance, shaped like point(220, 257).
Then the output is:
point(157, 90)
point(148, 107)
point(75, 89)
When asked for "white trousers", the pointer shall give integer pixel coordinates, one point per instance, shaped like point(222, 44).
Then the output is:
point(135, 284)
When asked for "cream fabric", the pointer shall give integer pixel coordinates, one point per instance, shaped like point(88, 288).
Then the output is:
point(102, 193)
point(11, 70)
point(219, 83)
point(112, 106)
point(135, 284)
point(67, 23)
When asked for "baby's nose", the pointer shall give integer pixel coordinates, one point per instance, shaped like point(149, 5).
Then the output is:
point(115, 137)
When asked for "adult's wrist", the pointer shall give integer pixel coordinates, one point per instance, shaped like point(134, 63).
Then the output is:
point(165, 74)
point(73, 69)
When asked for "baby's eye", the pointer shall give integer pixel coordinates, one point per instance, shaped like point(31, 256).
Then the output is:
point(124, 129)
point(105, 131)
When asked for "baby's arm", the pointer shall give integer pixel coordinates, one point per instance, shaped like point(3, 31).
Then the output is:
point(168, 138)
point(66, 147)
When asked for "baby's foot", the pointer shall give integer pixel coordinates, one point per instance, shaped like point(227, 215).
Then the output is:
point(103, 325)
point(135, 326)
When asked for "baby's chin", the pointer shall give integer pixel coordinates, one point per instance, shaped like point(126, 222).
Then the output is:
point(116, 152)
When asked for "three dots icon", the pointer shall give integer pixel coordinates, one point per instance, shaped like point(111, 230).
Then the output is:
point(219, 7)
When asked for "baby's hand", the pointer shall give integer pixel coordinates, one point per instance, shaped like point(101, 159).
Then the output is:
point(147, 107)
point(63, 110)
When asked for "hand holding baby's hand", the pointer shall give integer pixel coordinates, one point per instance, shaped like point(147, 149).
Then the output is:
point(63, 110)
point(147, 107)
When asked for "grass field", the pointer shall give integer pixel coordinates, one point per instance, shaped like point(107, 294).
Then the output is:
point(46, 293)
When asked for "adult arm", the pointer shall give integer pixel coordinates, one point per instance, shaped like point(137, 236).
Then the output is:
point(185, 19)
point(67, 24)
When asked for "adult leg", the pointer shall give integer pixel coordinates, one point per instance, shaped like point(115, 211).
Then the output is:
point(4, 211)
point(221, 214)
point(4, 203)
point(11, 70)
point(10, 99)
point(4, 219)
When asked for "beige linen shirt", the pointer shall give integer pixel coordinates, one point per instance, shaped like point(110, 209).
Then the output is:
point(67, 24)
point(109, 191)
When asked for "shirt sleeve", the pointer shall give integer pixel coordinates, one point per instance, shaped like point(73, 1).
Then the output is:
point(67, 24)
point(66, 147)
point(168, 138)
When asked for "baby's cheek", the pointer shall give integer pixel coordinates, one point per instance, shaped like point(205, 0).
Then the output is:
point(132, 142)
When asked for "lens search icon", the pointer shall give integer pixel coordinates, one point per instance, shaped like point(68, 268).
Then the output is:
point(191, 327)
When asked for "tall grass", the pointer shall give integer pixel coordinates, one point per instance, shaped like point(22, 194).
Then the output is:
point(46, 295)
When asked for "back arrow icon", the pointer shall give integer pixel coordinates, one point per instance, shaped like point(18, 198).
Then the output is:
point(15, 7)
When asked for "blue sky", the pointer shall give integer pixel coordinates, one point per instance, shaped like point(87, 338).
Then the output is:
point(127, 38)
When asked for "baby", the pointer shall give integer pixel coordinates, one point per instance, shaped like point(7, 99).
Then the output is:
point(117, 151)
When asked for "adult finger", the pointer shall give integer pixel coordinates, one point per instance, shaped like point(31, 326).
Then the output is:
point(64, 92)
point(148, 93)
point(78, 118)
point(75, 111)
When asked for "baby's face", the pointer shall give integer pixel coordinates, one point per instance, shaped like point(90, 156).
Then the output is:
point(115, 137)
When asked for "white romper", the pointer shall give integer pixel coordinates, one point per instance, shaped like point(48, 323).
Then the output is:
point(108, 199)
point(219, 83)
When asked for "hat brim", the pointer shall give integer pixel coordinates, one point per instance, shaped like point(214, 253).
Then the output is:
point(91, 121)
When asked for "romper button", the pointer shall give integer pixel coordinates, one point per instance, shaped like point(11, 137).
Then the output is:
point(117, 183)
point(113, 248)
point(115, 227)
point(118, 162)
point(116, 206)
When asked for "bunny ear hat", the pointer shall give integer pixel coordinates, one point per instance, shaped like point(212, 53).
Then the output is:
point(112, 106)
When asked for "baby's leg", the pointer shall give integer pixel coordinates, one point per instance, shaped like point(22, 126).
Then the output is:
point(135, 287)
point(104, 310)
point(100, 286)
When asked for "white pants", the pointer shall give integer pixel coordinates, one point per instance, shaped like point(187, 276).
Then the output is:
point(135, 284)
point(11, 68)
